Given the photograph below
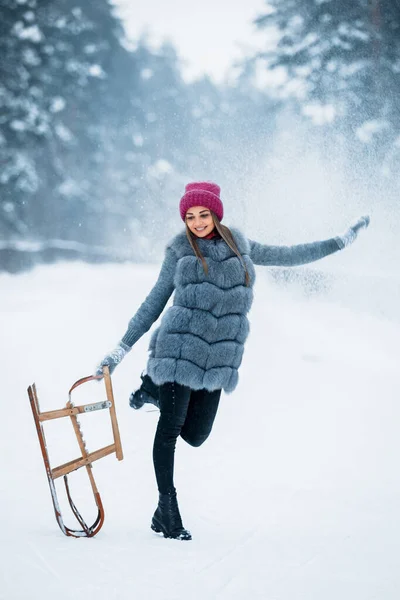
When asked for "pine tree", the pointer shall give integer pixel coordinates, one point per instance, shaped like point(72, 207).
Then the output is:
point(21, 115)
point(78, 71)
point(342, 60)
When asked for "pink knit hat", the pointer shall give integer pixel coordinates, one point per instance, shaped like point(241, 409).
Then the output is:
point(202, 193)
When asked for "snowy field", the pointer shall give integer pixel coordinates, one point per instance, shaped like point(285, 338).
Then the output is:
point(295, 496)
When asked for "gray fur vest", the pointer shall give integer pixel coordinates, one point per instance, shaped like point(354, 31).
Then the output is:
point(200, 340)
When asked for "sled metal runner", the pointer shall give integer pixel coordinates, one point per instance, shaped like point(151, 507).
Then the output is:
point(86, 459)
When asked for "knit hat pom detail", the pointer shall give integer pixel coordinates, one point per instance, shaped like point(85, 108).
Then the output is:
point(202, 193)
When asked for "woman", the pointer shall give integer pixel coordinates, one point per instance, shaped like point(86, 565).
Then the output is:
point(197, 350)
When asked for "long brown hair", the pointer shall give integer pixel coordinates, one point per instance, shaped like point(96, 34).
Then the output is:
point(226, 235)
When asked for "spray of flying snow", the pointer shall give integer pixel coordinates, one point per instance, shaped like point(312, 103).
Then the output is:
point(293, 194)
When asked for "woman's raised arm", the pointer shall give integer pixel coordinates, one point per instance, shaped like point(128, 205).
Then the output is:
point(301, 254)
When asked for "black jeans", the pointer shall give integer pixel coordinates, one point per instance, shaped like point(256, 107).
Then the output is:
point(185, 412)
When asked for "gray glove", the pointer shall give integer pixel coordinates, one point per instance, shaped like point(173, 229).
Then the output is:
point(113, 359)
point(350, 235)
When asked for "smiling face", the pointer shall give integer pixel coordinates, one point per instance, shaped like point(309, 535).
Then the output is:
point(199, 221)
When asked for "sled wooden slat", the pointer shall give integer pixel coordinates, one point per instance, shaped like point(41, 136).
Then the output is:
point(72, 465)
point(68, 412)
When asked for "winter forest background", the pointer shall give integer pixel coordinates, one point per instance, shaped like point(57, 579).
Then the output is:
point(296, 493)
point(99, 134)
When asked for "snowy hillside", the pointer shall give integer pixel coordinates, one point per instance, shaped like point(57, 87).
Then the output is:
point(295, 496)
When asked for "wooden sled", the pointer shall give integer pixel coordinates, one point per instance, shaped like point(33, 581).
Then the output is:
point(86, 459)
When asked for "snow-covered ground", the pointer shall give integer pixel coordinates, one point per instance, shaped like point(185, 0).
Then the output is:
point(295, 495)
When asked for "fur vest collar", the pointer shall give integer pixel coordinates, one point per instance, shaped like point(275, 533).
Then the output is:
point(215, 248)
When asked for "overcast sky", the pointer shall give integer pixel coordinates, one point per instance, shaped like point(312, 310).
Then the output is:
point(208, 34)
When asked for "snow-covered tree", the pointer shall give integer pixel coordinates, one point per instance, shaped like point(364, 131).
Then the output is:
point(92, 133)
point(53, 66)
point(341, 62)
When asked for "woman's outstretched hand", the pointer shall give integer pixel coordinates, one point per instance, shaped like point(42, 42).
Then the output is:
point(113, 359)
point(350, 235)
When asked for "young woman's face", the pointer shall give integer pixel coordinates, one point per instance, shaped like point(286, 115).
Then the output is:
point(199, 221)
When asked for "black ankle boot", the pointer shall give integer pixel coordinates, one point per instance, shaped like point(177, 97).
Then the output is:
point(167, 519)
point(146, 394)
